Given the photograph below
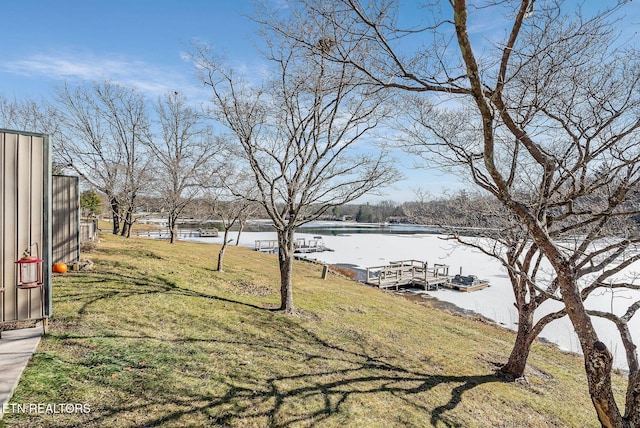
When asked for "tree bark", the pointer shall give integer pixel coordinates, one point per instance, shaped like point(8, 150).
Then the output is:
point(597, 358)
point(285, 260)
point(525, 336)
point(115, 208)
point(598, 366)
point(126, 226)
point(240, 229)
point(129, 218)
point(173, 229)
point(632, 414)
point(222, 250)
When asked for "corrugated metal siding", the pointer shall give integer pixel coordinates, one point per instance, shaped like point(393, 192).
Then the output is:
point(88, 230)
point(24, 220)
point(66, 219)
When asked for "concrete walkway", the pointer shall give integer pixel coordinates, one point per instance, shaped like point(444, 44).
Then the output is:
point(16, 348)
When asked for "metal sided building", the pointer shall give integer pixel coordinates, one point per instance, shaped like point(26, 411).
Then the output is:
point(65, 219)
point(25, 219)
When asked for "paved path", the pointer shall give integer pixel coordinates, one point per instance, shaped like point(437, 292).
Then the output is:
point(16, 348)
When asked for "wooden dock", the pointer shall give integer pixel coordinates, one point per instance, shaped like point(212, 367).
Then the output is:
point(301, 245)
point(266, 245)
point(315, 245)
point(211, 232)
point(408, 273)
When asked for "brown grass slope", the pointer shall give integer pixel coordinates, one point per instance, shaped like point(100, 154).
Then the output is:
point(153, 336)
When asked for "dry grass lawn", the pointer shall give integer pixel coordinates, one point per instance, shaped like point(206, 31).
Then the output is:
point(153, 336)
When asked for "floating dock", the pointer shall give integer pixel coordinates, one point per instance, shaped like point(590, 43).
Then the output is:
point(467, 283)
point(408, 273)
point(414, 273)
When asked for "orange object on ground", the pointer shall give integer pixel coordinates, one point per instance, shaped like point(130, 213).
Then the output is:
point(60, 268)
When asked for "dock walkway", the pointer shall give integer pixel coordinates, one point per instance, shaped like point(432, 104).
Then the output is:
point(301, 245)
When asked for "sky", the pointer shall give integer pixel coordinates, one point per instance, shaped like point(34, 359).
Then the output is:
point(144, 44)
point(141, 43)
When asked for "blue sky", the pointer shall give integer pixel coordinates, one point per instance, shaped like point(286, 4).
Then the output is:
point(143, 44)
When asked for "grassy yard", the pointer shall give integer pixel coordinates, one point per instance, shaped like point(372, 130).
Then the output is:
point(153, 336)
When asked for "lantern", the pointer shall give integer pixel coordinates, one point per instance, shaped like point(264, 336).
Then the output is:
point(29, 271)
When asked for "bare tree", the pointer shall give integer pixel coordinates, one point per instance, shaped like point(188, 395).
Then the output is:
point(33, 116)
point(104, 127)
point(417, 208)
point(504, 238)
point(299, 134)
point(540, 112)
point(184, 152)
point(234, 201)
point(247, 214)
point(244, 197)
point(384, 209)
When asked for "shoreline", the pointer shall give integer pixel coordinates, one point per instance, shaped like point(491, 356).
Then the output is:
point(493, 304)
point(427, 300)
point(423, 298)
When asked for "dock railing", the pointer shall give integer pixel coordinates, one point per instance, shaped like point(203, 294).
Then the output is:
point(266, 245)
point(407, 272)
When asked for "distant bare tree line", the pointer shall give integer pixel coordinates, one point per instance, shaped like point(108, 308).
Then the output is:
point(125, 146)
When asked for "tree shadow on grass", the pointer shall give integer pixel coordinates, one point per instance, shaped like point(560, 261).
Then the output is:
point(105, 286)
point(324, 380)
point(268, 401)
point(335, 395)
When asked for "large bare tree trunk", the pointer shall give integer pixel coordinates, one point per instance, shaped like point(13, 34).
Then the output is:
point(126, 226)
point(173, 228)
point(597, 358)
point(115, 215)
point(525, 336)
point(285, 260)
point(632, 414)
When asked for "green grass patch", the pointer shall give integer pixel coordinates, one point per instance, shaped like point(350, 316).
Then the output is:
point(154, 336)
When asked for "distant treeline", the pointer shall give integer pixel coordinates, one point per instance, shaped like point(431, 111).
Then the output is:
point(459, 209)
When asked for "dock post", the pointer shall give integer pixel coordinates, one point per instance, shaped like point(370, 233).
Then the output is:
point(325, 271)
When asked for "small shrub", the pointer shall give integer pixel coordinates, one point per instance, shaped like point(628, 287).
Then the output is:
point(88, 246)
point(344, 271)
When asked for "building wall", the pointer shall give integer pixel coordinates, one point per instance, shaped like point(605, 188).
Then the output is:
point(65, 227)
point(88, 230)
point(25, 192)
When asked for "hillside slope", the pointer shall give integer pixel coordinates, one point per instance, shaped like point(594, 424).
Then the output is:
point(154, 336)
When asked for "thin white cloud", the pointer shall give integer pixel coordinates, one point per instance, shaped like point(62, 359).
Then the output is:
point(148, 78)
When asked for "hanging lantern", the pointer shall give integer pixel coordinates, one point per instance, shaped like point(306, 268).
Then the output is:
point(29, 271)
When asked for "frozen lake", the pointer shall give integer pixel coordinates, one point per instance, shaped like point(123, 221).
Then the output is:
point(370, 246)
